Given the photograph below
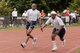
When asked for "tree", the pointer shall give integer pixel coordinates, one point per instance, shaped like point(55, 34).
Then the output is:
point(4, 9)
point(46, 5)
point(75, 5)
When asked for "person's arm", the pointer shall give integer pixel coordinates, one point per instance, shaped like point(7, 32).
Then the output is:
point(57, 32)
point(44, 25)
point(64, 12)
point(16, 13)
point(28, 19)
point(27, 15)
point(12, 15)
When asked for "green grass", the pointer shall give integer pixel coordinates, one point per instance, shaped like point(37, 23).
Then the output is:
point(11, 28)
point(78, 51)
point(19, 28)
point(78, 24)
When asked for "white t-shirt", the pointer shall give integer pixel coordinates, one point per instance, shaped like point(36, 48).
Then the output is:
point(33, 15)
point(49, 14)
point(57, 22)
point(24, 14)
point(73, 15)
point(64, 11)
point(14, 13)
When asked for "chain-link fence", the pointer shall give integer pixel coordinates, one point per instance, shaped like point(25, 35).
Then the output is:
point(7, 21)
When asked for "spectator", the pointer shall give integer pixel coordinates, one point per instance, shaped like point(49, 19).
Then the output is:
point(58, 14)
point(73, 17)
point(49, 14)
point(1, 24)
point(66, 15)
point(43, 14)
point(14, 17)
point(23, 18)
point(77, 19)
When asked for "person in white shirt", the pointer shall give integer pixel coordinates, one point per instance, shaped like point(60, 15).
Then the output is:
point(23, 18)
point(73, 17)
point(77, 18)
point(49, 14)
point(58, 14)
point(24, 14)
point(32, 16)
point(59, 28)
point(14, 17)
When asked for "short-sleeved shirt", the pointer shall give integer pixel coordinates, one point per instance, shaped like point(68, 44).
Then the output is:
point(66, 12)
point(24, 14)
point(14, 13)
point(73, 15)
point(33, 15)
point(57, 22)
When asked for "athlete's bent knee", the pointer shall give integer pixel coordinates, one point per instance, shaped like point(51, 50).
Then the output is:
point(28, 34)
point(61, 39)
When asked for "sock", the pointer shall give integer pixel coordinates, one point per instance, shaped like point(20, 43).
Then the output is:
point(24, 43)
point(34, 38)
point(54, 43)
point(63, 42)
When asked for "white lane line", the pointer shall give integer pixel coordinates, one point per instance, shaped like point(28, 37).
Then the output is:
point(74, 48)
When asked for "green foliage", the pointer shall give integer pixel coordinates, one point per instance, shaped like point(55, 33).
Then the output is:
point(75, 5)
point(4, 9)
point(47, 5)
point(21, 5)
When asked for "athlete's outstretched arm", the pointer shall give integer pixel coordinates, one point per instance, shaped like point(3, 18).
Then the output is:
point(43, 26)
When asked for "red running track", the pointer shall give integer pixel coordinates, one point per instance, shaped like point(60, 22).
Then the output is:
point(10, 41)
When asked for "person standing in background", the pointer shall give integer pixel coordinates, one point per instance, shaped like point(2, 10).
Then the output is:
point(43, 14)
point(23, 18)
point(73, 17)
point(14, 17)
point(77, 18)
point(58, 14)
point(66, 15)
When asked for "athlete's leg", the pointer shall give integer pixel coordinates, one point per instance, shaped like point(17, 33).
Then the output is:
point(61, 35)
point(53, 40)
point(28, 33)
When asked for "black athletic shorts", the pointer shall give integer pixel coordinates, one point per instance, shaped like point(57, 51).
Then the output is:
point(61, 33)
point(32, 24)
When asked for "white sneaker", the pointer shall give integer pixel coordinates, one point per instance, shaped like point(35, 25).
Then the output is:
point(54, 48)
point(23, 45)
point(34, 41)
point(63, 43)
